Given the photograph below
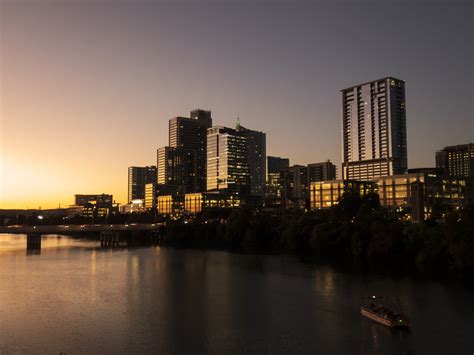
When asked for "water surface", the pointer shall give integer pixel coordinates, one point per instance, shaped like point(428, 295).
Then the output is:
point(76, 298)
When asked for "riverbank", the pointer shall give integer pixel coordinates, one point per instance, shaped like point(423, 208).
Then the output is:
point(358, 233)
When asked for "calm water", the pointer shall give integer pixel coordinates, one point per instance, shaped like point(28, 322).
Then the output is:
point(77, 299)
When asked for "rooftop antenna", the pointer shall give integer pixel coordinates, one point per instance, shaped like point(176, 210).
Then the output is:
point(237, 124)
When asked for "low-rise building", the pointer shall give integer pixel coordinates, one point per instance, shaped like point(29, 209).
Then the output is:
point(196, 202)
point(136, 205)
point(418, 193)
point(150, 196)
point(325, 194)
point(170, 205)
point(94, 205)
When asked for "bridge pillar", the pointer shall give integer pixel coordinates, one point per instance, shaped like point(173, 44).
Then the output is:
point(33, 241)
point(109, 238)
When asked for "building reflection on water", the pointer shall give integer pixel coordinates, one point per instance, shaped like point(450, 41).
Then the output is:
point(162, 300)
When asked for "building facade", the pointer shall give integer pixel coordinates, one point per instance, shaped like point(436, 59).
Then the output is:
point(257, 159)
point(325, 194)
point(191, 134)
point(102, 200)
point(138, 177)
point(227, 161)
point(275, 165)
point(100, 205)
point(170, 205)
point(195, 203)
point(418, 193)
point(177, 167)
point(295, 188)
point(321, 171)
point(457, 160)
point(374, 129)
point(274, 184)
point(236, 160)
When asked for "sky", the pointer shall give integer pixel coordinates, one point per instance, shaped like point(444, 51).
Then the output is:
point(87, 87)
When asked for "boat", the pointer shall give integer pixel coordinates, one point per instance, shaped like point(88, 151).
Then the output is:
point(378, 310)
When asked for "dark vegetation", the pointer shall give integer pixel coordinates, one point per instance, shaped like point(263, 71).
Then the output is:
point(356, 232)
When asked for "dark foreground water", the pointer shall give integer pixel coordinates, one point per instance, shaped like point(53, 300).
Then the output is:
point(77, 299)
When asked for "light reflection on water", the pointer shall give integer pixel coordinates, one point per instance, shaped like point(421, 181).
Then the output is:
point(16, 243)
point(77, 298)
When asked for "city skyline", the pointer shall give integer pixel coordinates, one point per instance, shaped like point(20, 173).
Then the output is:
point(58, 144)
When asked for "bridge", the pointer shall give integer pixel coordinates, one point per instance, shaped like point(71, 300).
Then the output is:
point(111, 235)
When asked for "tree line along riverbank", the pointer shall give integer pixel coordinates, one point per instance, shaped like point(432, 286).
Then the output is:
point(357, 231)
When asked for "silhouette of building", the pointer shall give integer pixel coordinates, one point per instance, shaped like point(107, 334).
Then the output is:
point(138, 177)
point(93, 206)
point(275, 166)
point(457, 160)
point(295, 187)
point(150, 196)
point(177, 167)
point(374, 129)
point(191, 134)
point(257, 158)
point(133, 206)
point(101, 200)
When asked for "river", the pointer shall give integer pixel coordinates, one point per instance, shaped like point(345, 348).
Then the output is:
point(76, 298)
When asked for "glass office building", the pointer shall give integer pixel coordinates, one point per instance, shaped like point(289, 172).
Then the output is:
point(191, 133)
point(177, 167)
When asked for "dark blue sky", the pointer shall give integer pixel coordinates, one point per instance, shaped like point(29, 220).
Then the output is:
point(102, 78)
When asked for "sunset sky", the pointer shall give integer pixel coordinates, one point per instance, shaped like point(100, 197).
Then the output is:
point(87, 87)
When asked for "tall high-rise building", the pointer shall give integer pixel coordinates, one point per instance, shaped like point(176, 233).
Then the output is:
point(457, 160)
point(227, 160)
point(191, 133)
point(257, 158)
point(138, 177)
point(374, 129)
point(236, 160)
point(177, 167)
point(321, 171)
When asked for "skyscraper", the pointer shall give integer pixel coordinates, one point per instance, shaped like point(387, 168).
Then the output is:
point(227, 161)
point(138, 177)
point(177, 167)
point(457, 160)
point(236, 160)
point(374, 129)
point(191, 133)
point(257, 158)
